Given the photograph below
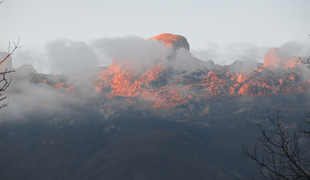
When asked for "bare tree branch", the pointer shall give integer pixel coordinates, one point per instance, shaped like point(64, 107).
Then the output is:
point(3, 80)
point(281, 156)
point(305, 60)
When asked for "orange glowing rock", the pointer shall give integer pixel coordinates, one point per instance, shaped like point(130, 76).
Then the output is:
point(258, 69)
point(281, 81)
point(232, 90)
point(278, 58)
point(233, 77)
point(292, 77)
point(71, 87)
point(172, 40)
point(169, 99)
point(166, 87)
point(240, 79)
point(59, 85)
point(165, 83)
point(126, 80)
point(131, 102)
point(245, 90)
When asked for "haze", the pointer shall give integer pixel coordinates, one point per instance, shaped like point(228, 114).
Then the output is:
point(223, 30)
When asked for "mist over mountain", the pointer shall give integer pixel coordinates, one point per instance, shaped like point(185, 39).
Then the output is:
point(156, 112)
point(151, 75)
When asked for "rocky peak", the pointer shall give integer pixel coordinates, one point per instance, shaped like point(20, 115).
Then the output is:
point(172, 40)
point(181, 80)
point(279, 58)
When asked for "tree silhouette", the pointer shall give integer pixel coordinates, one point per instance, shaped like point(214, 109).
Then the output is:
point(4, 82)
point(282, 156)
point(306, 60)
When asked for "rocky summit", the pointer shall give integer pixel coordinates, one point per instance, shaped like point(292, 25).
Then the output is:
point(172, 78)
point(173, 41)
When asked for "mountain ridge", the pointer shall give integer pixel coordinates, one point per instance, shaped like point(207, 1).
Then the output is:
point(173, 78)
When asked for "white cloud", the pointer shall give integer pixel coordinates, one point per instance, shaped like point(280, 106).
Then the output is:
point(225, 55)
point(70, 56)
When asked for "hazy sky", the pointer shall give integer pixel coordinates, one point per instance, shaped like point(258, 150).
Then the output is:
point(263, 23)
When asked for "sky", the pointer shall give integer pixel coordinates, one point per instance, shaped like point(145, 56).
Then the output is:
point(222, 30)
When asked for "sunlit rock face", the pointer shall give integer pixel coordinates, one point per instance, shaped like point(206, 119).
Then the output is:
point(185, 79)
point(170, 77)
point(278, 58)
point(172, 40)
point(146, 80)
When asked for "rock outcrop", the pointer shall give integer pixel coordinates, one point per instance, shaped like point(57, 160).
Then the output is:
point(181, 79)
point(173, 41)
point(278, 58)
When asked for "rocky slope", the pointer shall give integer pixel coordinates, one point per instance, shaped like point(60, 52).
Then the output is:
point(175, 78)
point(168, 116)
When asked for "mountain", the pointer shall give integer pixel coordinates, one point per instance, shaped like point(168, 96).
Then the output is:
point(278, 58)
point(161, 114)
point(172, 78)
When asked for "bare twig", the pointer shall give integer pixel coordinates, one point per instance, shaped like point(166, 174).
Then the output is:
point(16, 46)
point(281, 155)
point(3, 80)
point(305, 60)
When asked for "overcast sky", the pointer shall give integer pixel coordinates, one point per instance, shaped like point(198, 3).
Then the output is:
point(205, 23)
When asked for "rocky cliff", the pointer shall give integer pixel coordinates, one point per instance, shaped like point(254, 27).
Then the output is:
point(167, 85)
point(175, 78)
point(278, 58)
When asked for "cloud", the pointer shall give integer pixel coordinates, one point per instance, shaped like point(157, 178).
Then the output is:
point(137, 50)
point(225, 55)
point(27, 98)
point(121, 47)
point(70, 56)
point(30, 55)
point(297, 48)
point(64, 56)
point(31, 98)
point(58, 56)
